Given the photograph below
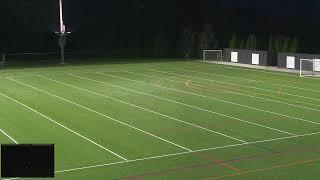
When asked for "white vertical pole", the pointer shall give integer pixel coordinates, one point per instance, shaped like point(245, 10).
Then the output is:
point(204, 55)
point(313, 69)
point(300, 67)
point(61, 17)
point(62, 33)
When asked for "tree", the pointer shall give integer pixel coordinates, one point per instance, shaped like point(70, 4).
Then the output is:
point(203, 39)
point(187, 42)
point(214, 43)
point(277, 43)
point(251, 42)
point(233, 41)
point(242, 44)
point(134, 45)
point(162, 45)
point(254, 42)
point(207, 39)
point(294, 45)
point(271, 46)
point(285, 45)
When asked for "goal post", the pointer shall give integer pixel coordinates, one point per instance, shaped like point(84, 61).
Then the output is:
point(212, 55)
point(309, 67)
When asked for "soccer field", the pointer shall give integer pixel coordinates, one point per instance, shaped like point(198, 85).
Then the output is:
point(165, 120)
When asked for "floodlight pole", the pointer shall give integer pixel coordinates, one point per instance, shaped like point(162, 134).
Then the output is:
point(62, 44)
point(62, 34)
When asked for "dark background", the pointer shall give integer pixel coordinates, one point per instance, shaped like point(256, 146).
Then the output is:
point(154, 28)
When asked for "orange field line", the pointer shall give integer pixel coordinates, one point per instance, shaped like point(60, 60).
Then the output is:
point(210, 158)
point(239, 159)
point(266, 169)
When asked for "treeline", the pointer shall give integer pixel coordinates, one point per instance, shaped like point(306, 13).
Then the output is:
point(277, 43)
point(187, 42)
point(191, 43)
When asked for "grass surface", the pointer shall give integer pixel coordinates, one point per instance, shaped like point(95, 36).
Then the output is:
point(166, 120)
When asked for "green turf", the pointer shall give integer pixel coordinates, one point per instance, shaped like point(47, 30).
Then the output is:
point(166, 120)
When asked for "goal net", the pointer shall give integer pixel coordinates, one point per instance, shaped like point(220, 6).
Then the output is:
point(212, 55)
point(309, 67)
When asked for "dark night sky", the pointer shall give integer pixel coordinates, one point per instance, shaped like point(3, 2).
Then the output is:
point(279, 7)
point(102, 13)
point(292, 17)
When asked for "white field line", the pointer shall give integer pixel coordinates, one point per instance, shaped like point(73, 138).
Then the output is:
point(235, 84)
point(228, 102)
point(251, 69)
point(300, 102)
point(91, 110)
point(52, 74)
point(139, 107)
point(183, 153)
point(237, 104)
point(226, 91)
point(246, 79)
point(12, 139)
point(61, 125)
point(187, 105)
point(220, 75)
point(31, 75)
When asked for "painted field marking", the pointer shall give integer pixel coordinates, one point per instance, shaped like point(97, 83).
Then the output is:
point(238, 159)
point(31, 75)
point(227, 91)
point(113, 119)
point(237, 104)
point(53, 74)
point(265, 169)
point(61, 125)
point(183, 153)
point(63, 74)
point(188, 105)
point(285, 85)
point(139, 107)
point(211, 159)
point(192, 86)
point(213, 74)
point(270, 71)
point(311, 98)
point(250, 69)
point(6, 134)
point(267, 95)
point(281, 86)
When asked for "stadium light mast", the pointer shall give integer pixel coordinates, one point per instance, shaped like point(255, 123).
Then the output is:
point(62, 34)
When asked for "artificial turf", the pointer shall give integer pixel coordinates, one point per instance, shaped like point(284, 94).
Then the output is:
point(165, 120)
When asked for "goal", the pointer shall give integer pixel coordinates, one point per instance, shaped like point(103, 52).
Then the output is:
point(212, 55)
point(309, 67)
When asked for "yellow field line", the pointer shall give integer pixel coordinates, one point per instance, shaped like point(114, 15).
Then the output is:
point(157, 82)
point(279, 92)
point(225, 88)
